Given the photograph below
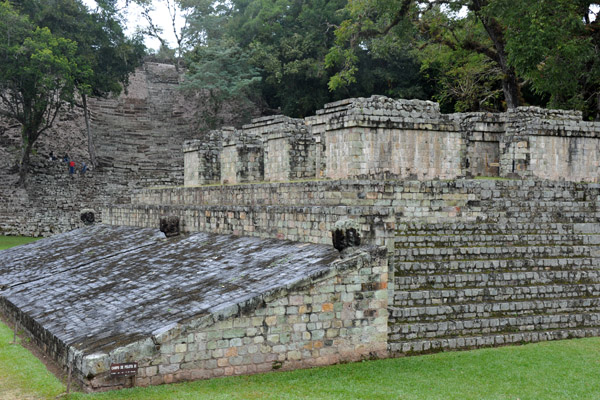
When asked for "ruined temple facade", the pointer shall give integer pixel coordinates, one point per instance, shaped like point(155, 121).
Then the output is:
point(405, 139)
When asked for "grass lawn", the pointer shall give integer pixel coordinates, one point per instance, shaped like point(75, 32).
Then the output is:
point(22, 375)
point(10, 241)
point(553, 370)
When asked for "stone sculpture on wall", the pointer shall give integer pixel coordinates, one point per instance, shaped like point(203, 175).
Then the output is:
point(345, 234)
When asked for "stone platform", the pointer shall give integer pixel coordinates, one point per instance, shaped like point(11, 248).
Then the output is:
point(103, 295)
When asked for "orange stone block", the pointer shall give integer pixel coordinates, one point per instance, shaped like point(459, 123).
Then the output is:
point(231, 352)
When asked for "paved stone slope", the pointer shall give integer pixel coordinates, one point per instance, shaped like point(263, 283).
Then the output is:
point(96, 288)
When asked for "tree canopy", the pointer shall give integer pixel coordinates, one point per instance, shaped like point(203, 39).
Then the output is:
point(546, 49)
point(292, 56)
point(554, 46)
point(466, 54)
point(284, 43)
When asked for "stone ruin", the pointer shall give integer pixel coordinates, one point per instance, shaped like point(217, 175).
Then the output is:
point(431, 259)
point(405, 139)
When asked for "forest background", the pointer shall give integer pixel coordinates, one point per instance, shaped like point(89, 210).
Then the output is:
point(293, 56)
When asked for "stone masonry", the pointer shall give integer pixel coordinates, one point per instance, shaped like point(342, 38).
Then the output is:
point(137, 137)
point(411, 139)
point(195, 306)
point(472, 263)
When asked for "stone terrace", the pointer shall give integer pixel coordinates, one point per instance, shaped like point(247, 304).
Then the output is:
point(473, 263)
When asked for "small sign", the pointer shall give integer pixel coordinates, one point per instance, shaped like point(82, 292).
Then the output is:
point(494, 164)
point(125, 369)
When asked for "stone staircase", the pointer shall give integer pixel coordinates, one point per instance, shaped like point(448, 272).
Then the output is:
point(534, 276)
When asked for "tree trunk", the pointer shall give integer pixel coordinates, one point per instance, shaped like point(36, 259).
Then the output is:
point(25, 162)
point(510, 83)
point(510, 86)
point(91, 147)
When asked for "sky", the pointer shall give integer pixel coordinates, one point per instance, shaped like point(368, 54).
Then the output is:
point(134, 20)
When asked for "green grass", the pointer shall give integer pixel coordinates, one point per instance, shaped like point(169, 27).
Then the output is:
point(10, 241)
point(22, 375)
point(553, 370)
point(567, 369)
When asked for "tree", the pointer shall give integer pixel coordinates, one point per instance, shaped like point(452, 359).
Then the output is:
point(464, 80)
point(180, 33)
point(287, 41)
point(371, 22)
point(554, 45)
point(103, 51)
point(37, 78)
point(222, 70)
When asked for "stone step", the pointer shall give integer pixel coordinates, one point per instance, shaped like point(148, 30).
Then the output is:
point(458, 240)
point(486, 326)
point(477, 310)
point(488, 266)
point(493, 253)
point(512, 204)
point(483, 228)
point(567, 218)
point(492, 280)
point(400, 345)
point(450, 297)
point(535, 214)
point(492, 228)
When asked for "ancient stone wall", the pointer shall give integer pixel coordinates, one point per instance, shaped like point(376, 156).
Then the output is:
point(138, 135)
point(550, 144)
point(409, 139)
point(476, 285)
point(52, 201)
point(482, 133)
point(428, 201)
point(337, 317)
point(288, 148)
point(303, 224)
point(242, 158)
point(473, 262)
point(202, 158)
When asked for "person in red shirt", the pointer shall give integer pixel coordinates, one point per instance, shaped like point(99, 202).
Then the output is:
point(71, 167)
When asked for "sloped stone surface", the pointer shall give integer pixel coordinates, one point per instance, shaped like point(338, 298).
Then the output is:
point(99, 288)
